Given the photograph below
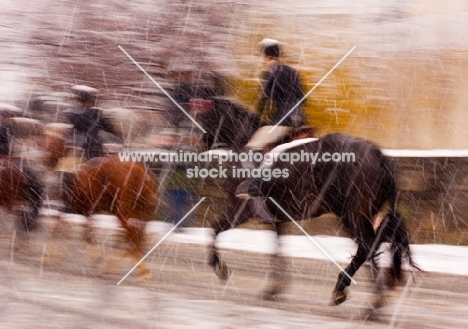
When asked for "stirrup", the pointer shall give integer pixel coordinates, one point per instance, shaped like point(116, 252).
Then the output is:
point(248, 189)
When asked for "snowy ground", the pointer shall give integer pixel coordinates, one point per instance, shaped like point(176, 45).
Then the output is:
point(431, 257)
point(54, 284)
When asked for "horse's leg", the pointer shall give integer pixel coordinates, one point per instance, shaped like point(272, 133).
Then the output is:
point(391, 228)
point(93, 250)
point(377, 275)
point(136, 238)
point(225, 223)
point(365, 237)
point(52, 238)
point(379, 289)
point(219, 267)
point(277, 274)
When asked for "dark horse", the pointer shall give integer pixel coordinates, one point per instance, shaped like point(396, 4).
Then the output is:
point(355, 191)
point(21, 186)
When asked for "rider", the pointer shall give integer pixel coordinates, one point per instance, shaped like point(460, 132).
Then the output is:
point(283, 87)
point(90, 120)
point(87, 120)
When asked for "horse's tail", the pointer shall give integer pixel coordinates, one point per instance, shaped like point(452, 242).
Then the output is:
point(392, 228)
point(34, 191)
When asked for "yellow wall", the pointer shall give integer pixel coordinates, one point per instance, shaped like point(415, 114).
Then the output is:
point(405, 85)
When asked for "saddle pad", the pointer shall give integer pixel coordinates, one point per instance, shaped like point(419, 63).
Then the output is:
point(286, 146)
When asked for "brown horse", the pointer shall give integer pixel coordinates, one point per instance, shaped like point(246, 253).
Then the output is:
point(21, 186)
point(105, 184)
point(55, 146)
point(125, 189)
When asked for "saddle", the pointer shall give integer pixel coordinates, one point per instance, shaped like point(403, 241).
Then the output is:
point(296, 134)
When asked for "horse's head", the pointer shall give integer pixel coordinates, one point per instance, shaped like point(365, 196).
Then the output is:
point(226, 122)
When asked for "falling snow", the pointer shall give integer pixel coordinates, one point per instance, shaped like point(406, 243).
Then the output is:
point(399, 79)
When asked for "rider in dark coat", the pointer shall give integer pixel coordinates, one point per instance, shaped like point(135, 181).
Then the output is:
point(89, 120)
point(283, 88)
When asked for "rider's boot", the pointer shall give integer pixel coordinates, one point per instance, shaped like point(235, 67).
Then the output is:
point(250, 187)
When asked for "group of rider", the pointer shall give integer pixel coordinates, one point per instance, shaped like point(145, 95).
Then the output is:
point(87, 119)
point(279, 107)
point(281, 90)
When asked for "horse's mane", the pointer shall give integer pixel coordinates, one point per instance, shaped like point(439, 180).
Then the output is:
point(228, 123)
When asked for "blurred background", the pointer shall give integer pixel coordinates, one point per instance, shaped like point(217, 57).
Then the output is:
point(403, 86)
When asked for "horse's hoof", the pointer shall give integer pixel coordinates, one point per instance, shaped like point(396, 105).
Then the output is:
point(379, 303)
point(22, 247)
point(145, 274)
point(107, 268)
point(269, 297)
point(373, 314)
point(94, 252)
point(271, 294)
point(338, 297)
point(222, 271)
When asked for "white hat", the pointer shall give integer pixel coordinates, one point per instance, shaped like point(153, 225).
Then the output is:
point(269, 42)
point(270, 47)
point(85, 93)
